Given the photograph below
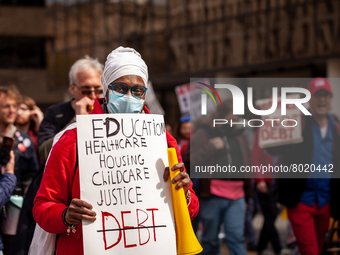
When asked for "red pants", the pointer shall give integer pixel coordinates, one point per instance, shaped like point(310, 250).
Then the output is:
point(310, 225)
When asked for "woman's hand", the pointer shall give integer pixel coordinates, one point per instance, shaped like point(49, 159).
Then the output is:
point(37, 116)
point(79, 210)
point(182, 179)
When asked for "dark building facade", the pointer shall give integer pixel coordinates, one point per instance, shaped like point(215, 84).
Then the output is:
point(192, 38)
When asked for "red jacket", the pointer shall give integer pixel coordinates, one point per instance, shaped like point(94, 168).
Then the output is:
point(60, 184)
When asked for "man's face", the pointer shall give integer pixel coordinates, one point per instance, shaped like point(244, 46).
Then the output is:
point(88, 83)
point(23, 115)
point(320, 102)
point(8, 109)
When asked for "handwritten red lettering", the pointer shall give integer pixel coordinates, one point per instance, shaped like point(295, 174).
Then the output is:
point(105, 216)
point(139, 225)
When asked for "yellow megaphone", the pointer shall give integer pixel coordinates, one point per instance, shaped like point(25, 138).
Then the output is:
point(186, 240)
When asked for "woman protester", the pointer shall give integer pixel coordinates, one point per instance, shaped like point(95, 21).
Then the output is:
point(57, 207)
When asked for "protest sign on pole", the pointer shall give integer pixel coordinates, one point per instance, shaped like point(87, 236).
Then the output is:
point(277, 129)
point(189, 99)
point(183, 98)
point(121, 164)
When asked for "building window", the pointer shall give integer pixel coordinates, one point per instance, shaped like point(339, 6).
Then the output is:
point(22, 52)
point(23, 2)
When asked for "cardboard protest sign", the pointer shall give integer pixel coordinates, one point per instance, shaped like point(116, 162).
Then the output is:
point(278, 129)
point(183, 98)
point(121, 163)
point(189, 99)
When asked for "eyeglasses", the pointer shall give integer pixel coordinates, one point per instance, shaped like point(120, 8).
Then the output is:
point(120, 89)
point(8, 106)
point(87, 92)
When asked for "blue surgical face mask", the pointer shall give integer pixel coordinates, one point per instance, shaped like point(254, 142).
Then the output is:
point(124, 104)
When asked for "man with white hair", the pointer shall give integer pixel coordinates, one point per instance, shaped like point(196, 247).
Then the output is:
point(57, 207)
point(85, 86)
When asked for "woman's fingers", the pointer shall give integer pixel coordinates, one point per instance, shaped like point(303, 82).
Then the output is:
point(81, 203)
point(79, 210)
point(182, 179)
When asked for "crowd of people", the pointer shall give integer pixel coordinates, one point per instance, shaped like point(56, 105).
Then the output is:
point(310, 199)
point(44, 171)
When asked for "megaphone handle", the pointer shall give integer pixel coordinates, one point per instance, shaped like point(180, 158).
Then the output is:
point(172, 157)
point(187, 242)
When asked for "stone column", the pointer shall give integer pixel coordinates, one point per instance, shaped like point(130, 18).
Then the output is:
point(333, 71)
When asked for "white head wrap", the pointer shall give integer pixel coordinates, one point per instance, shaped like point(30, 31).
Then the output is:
point(123, 61)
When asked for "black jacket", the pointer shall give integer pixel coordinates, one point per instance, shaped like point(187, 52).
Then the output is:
point(26, 163)
point(55, 119)
point(204, 153)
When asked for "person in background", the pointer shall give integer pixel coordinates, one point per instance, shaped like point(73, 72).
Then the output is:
point(222, 201)
point(7, 185)
point(251, 211)
point(267, 195)
point(311, 200)
point(182, 133)
point(57, 206)
point(29, 118)
point(85, 86)
point(26, 164)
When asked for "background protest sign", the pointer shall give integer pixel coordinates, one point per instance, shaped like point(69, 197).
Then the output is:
point(277, 129)
point(189, 99)
point(183, 98)
point(121, 161)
